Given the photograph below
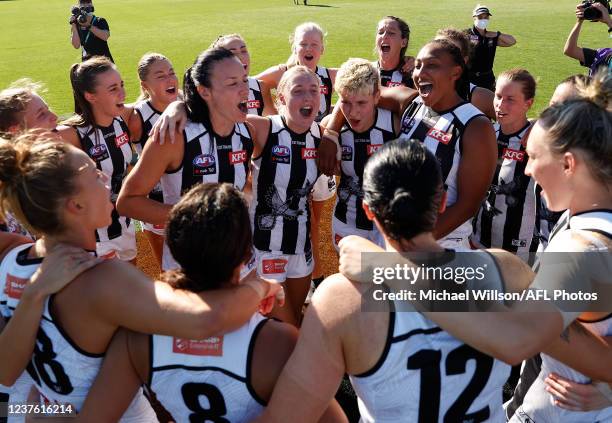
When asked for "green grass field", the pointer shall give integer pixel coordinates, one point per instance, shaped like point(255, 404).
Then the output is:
point(35, 35)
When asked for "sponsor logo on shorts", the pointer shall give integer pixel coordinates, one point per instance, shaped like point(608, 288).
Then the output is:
point(347, 153)
point(109, 255)
point(14, 286)
point(373, 149)
point(273, 266)
point(309, 153)
point(281, 154)
point(204, 164)
point(236, 157)
point(519, 243)
point(98, 152)
point(212, 346)
point(122, 139)
point(440, 136)
point(253, 104)
point(324, 90)
point(511, 154)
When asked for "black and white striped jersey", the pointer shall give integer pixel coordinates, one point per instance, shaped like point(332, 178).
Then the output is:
point(327, 89)
point(394, 77)
point(442, 134)
point(109, 147)
point(506, 218)
point(148, 116)
point(545, 220)
point(356, 150)
point(207, 380)
point(208, 157)
point(255, 101)
point(283, 176)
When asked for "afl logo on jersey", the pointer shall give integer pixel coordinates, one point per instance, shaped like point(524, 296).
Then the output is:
point(122, 139)
point(281, 154)
point(440, 136)
point(236, 157)
point(309, 153)
point(98, 152)
point(347, 153)
point(204, 164)
point(515, 155)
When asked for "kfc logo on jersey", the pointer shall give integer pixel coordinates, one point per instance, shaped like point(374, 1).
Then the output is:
point(373, 149)
point(281, 154)
point(394, 84)
point(440, 136)
point(511, 154)
point(14, 286)
point(324, 90)
point(273, 266)
point(122, 139)
point(236, 157)
point(253, 104)
point(212, 346)
point(204, 164)
point(347, 153)
point(309, 153)
point(98, 152)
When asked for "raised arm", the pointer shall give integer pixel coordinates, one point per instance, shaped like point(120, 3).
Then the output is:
point(506, 40)
point(571, 48)
point(476, 168)
point(482, 98)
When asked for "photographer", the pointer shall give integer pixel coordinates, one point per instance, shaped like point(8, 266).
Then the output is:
point(592, 59)
point(89, 31)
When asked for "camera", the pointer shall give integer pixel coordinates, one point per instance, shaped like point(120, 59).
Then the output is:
point(80, 14)
point(590, 13)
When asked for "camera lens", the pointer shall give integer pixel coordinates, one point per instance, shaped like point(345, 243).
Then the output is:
point(590, 13)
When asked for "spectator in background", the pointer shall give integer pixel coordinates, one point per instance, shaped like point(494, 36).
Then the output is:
point(89, 32)
point(592, 59)
point(485, 43)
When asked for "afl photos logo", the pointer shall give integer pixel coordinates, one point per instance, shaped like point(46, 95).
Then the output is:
point(98, 152)
point(281, 154)
point(204, 164)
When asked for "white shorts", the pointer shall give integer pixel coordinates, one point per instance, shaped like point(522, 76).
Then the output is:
point(156, 229)
point(324, 188)
point(341, 229)
point(280, 267)
point(122, 247)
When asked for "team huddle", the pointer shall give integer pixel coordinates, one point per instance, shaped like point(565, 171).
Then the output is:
point(228, 177)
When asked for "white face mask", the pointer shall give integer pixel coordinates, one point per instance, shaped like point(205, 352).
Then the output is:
point(481, 23)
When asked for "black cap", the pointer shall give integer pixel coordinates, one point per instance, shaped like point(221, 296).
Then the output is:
point(479, 10)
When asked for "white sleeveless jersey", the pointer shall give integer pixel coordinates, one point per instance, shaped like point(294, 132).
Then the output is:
point(207, 157)
point(394, 77)
point(109, 148)
point(356, 150)
point(506, 218)
point(207, 380)
point(148, 116)
point(61, 371)
point(255, 101)
point(283, 177)
point(442, 135)
point(427, 376)
point(537, 405)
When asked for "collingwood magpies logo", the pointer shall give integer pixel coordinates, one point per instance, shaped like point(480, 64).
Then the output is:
point(348, 187)
point(279, 208)
point(510, 190)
